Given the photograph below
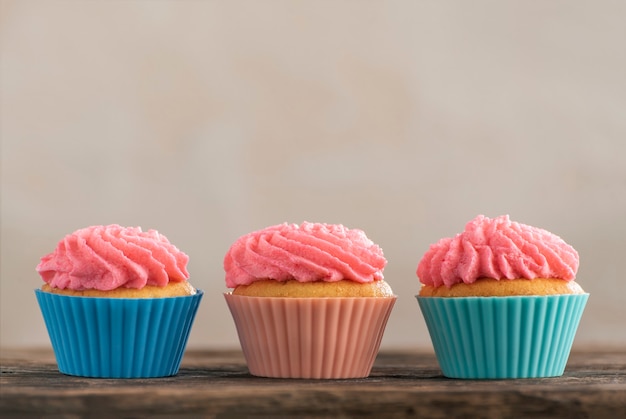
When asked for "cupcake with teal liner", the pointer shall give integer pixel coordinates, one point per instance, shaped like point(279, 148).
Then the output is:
point(500, 300)
point(117, 303)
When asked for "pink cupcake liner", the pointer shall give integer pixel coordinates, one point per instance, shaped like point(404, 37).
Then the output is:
point(327, 338)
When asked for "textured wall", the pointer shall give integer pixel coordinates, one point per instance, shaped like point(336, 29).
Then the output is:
point(209, 119)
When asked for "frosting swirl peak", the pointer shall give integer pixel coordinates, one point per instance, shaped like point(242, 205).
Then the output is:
point(497, 248)
point(109, 257)
point(306, 252)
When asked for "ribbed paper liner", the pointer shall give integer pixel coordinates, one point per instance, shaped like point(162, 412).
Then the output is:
point(118, 337)
point(503, 337)
point(310, 337)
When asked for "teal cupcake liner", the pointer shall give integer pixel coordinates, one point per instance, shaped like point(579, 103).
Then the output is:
point(503, 337)
point(118, 337)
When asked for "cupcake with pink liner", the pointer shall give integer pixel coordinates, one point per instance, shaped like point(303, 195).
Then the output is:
point(500, 300)
point(117, 303)
point(308, 300)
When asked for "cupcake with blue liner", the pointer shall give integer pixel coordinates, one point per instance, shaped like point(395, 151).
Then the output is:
point(500, 300)
point(117, 303)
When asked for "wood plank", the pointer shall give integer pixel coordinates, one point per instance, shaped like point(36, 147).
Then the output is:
point(217, 384)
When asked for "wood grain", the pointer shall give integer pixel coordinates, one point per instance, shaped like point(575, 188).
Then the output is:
point(402, 384)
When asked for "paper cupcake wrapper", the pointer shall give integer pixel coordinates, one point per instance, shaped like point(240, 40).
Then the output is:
point(118, 337)
point(310, 337)
point(503, 337)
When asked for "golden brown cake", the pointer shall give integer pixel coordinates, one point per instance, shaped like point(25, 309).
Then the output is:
point(489, 287)
point(295, 289)
point(173, 289)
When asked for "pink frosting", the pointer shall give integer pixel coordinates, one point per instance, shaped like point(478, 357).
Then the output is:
point(109, 257)
point(307, 252)
point(497, 248)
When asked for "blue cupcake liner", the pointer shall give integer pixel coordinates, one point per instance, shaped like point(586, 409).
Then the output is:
point(118, 337)
point(503, 337)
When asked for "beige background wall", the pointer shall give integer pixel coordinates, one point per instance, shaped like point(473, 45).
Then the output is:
point(209, 119)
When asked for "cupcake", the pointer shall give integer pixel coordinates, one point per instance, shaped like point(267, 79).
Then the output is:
point(308, 300)
point(500, 300)
point(117, 303)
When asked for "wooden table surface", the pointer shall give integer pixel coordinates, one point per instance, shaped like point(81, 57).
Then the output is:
point(402, 384)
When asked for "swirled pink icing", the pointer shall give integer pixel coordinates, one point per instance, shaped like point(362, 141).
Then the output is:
point(497, 248)
point(109, 257)
point(306, 252)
